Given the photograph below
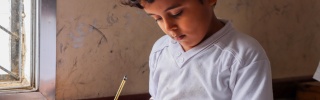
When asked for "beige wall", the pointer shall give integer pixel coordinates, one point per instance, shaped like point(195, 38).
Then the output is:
point(289, 30)
point(100, 41)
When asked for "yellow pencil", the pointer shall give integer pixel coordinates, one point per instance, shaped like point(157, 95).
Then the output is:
point(120, 88)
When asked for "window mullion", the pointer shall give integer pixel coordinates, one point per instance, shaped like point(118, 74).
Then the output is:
point(16, 28)
point(9, 72)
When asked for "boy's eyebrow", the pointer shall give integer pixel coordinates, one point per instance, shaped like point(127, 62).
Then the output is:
point(172, 7)
point(169, 8)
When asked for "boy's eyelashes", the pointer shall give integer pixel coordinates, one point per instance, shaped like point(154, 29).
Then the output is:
point(157, 19)
point(176, 15)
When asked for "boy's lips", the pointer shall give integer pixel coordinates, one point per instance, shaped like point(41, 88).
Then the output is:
point(180, 37)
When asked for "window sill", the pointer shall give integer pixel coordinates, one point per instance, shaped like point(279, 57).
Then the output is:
point(23, 96)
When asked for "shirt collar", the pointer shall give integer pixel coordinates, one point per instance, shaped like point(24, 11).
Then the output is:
point(180, 56)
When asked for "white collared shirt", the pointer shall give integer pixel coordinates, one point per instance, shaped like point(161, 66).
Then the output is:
point(227, 66)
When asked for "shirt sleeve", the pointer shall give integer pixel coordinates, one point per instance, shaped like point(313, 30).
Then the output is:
point(253, 82)
point(153, 58)
point(152, 88)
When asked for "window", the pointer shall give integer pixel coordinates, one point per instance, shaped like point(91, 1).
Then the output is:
point(4, 38)
point(15, 48)
point(27, 51)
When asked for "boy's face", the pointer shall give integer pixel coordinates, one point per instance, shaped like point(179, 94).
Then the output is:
point(187, 21)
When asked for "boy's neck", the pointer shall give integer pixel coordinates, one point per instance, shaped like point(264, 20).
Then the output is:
point(214, 27)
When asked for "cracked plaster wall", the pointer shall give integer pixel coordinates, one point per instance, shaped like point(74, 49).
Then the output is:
point(100, 41)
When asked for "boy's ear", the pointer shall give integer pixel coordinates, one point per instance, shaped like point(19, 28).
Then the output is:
point(212, 2)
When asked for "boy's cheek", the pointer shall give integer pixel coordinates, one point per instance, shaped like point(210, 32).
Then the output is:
point(162, 28)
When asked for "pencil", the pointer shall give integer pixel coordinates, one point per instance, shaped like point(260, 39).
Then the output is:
point(120, 88)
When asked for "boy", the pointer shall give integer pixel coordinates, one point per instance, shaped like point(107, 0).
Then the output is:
point(202, 57)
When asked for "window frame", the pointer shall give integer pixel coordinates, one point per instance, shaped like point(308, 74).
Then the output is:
point(45, 55)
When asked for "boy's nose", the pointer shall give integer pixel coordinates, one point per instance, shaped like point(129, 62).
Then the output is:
point(170, 25)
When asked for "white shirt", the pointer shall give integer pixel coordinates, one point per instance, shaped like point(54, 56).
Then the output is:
point(227, 66)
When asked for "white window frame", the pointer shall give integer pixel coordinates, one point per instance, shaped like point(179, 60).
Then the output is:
point(45, 59)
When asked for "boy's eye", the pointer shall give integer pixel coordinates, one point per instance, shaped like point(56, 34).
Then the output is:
point(178, 14)
point(158, 19)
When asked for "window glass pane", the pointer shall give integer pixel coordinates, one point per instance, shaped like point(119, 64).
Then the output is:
point(5, 46)
point(28, 33)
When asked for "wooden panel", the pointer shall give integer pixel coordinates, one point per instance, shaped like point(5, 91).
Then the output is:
point(309, 91)
point(144, 96)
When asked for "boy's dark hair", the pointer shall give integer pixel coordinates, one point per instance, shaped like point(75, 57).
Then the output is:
point(136, 3)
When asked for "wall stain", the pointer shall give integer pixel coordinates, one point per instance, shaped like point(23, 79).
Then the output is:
point(59, 61)
point(78, 35)
point(60, 30)
point(100, 32)
point(65, 48)
point(61, 47)
point(75, 62)
point(114, 6)
point(74, 67)
point(82, 83)
point(100, 41)
point(142, 68)
point(90, 50)
point(111, 19)
point(77, 18)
